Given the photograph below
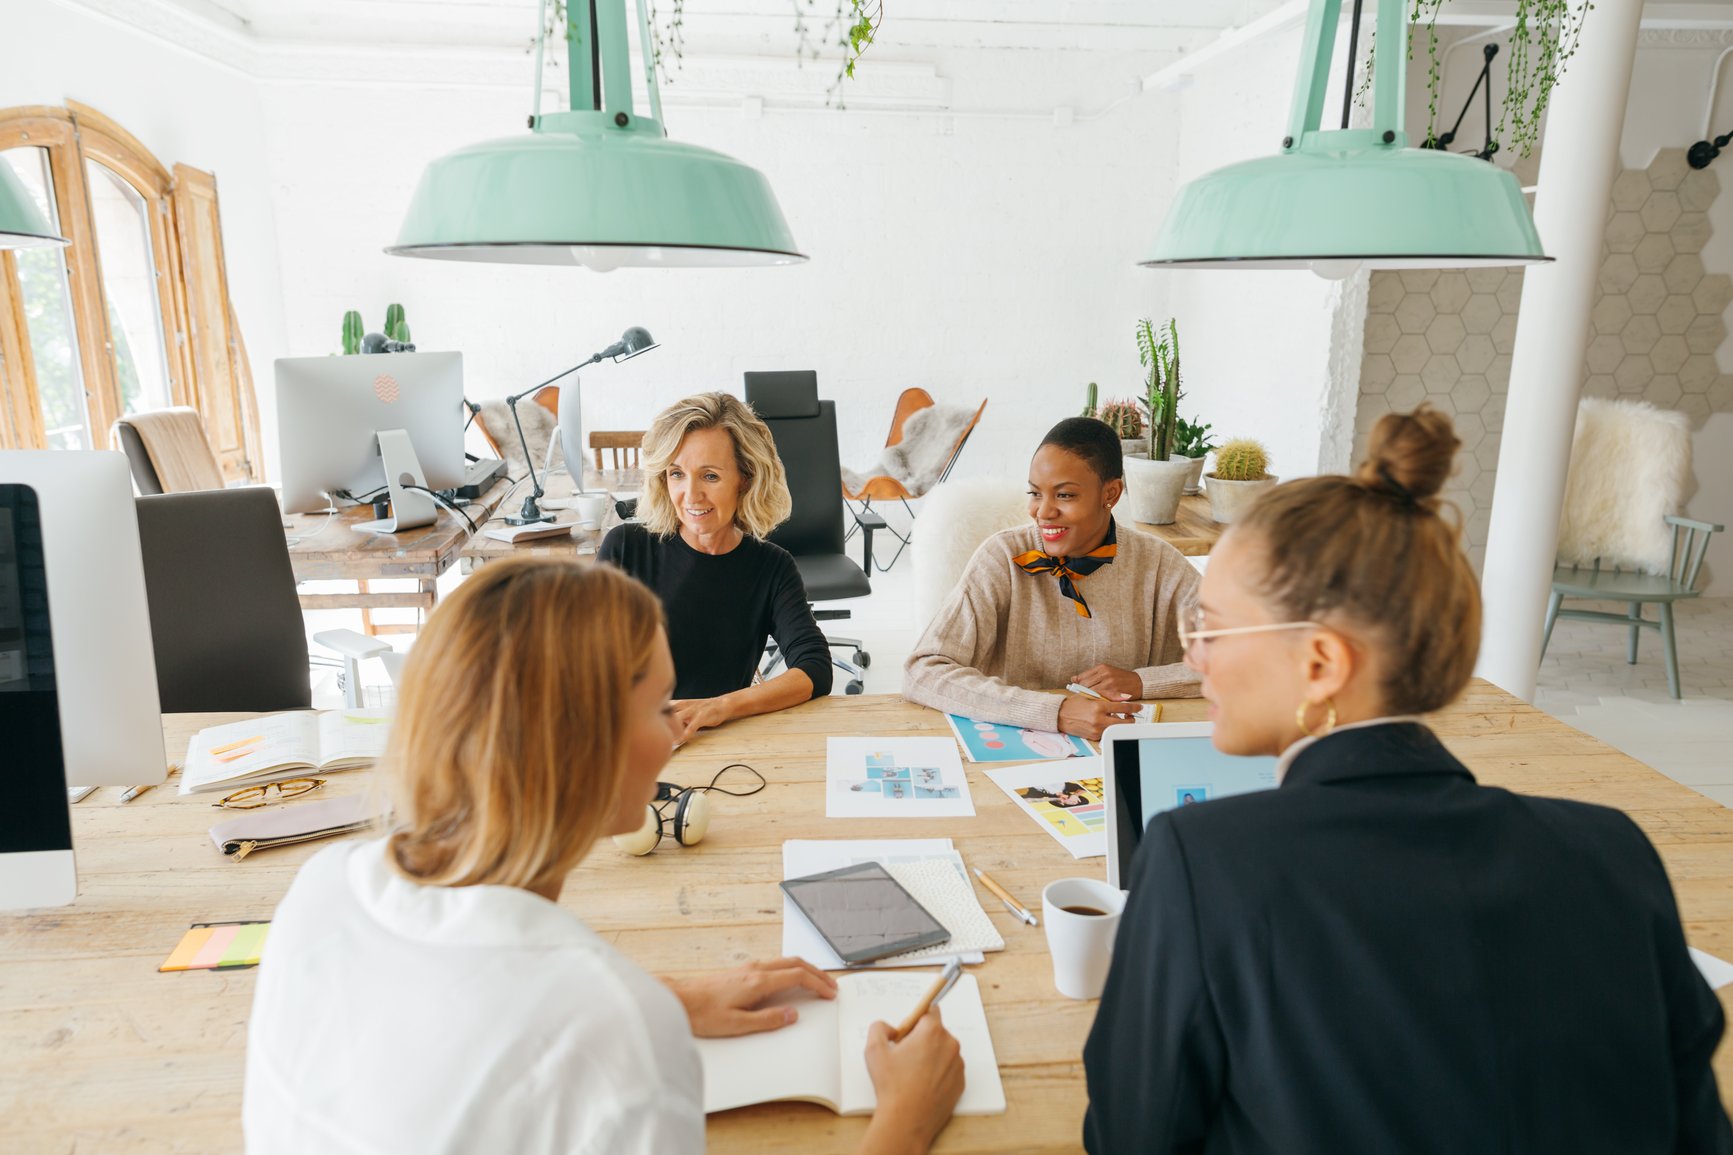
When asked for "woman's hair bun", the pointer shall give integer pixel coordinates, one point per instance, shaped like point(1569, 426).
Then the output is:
point(1410, 455)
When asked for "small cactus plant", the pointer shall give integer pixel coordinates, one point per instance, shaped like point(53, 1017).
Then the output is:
point(1089, 405)
point(1123, 418)
point(400, 333)
point(393, 318)
point(353, 331)
point(1241, 459)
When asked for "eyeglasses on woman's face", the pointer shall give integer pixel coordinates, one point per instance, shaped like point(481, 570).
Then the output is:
point(1194, 637)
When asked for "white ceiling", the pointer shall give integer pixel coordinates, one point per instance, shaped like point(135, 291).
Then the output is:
point(737, 25)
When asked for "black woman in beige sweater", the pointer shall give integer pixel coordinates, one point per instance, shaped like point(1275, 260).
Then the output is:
point(1072, 597)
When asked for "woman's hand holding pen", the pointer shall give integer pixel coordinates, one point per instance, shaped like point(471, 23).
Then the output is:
point(918, 1081)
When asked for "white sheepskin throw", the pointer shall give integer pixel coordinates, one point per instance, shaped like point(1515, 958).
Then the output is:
point(1629, 465)
point(541, 430)
point(929, 437)
point(955, 519)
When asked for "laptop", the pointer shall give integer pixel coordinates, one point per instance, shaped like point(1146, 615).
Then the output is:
point(1152, 767)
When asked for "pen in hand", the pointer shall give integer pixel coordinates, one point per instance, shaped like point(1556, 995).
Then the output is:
point(941, 987)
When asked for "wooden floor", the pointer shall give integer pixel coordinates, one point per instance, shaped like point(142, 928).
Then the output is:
point(103, 1054)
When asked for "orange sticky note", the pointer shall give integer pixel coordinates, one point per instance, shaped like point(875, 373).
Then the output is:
point(181, 957)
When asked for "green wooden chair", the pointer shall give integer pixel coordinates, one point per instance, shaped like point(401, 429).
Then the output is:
point(1690, 543)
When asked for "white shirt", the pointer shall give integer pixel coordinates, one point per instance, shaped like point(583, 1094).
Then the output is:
point(394, 1017)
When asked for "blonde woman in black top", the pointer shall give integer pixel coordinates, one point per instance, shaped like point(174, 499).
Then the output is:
point(1381, 955)
point(714, 488)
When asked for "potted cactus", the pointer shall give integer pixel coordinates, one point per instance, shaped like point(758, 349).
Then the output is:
point(1124, 418)
point(1153, 484)
point(1241, 474)
point(1089, 402)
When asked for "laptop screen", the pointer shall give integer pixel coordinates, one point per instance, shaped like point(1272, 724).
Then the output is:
point(1156, 774)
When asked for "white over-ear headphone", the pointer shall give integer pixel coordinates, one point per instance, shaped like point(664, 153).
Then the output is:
point(690, 819)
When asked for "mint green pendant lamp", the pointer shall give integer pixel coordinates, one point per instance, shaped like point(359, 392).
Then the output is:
point(1335, 201)
point(22, 225)
point(599, 186)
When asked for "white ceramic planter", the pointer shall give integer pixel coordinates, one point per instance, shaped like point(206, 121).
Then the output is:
point(1134, 446)
point(1152, 488)
point(1228, 500)
point(1194, 479)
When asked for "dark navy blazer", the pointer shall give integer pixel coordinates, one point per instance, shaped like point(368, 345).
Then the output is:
point(1384, 956)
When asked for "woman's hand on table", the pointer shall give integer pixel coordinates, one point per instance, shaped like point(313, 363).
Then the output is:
point(1111, 682)
point(694, 714)
point(1088, 717)
point(732, 1002)
point(918, 1081)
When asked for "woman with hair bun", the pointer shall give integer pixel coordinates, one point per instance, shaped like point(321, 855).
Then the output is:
point(1382, 955)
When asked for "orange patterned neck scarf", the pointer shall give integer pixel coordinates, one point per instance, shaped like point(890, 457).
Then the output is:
point(1072, 570)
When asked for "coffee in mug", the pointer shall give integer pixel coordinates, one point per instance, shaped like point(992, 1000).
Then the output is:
point(1082, 917)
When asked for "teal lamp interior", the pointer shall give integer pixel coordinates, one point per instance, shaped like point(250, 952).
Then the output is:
point(1336, 201)
point(22, 225)
point(600, 186)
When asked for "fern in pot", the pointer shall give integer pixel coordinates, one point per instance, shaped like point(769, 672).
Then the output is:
point(1153, 484)
point(1126, 420)
point(1240, 476)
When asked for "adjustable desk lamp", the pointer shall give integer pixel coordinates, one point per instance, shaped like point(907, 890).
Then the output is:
point(631, 343)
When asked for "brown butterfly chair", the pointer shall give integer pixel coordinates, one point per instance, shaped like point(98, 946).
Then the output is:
point(881, 487)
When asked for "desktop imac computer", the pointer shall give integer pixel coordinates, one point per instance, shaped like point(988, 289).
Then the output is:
point(78, 696)
point(332, 411)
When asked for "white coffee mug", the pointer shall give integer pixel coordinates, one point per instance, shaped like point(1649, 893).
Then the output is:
point(592, 507)
point(1081, 944)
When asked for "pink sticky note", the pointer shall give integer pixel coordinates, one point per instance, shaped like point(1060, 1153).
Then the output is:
point(212, 952)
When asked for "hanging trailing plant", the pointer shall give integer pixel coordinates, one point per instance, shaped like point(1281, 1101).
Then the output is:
point(1542, 42)
point(852, 28)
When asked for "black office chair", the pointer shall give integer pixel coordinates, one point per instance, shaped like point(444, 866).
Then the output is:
point(224, 614)
point(804, 429)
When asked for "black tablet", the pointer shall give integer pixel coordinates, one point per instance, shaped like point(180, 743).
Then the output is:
point(864, 913)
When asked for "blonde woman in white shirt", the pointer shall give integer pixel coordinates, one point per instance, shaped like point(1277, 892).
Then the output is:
point(425, 991)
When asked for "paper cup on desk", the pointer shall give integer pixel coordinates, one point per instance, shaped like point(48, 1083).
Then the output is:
point(1081, 944)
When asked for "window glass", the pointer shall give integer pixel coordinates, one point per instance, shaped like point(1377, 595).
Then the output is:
point(48, 314)
point(129, 283)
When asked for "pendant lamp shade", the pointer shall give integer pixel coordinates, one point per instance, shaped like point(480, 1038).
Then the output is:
point(22, 225)
point(600, 186)
point(1336, 201)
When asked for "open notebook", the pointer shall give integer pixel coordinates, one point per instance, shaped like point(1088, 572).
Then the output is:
point(282, 746)
point(821, 1058)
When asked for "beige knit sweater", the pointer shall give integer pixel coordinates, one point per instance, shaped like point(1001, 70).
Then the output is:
point(1005, 643)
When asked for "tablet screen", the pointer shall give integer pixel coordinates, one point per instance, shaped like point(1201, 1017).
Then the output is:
point(1156, 774)
point(863, 913)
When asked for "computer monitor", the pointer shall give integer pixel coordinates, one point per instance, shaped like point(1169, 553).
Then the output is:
point(330, 411)
point(78, 696)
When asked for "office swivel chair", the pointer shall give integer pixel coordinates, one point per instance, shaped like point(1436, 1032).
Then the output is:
point(224, 616)
point(804, 429)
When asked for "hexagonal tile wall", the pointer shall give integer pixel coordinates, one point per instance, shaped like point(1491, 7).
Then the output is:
point(1446, 337)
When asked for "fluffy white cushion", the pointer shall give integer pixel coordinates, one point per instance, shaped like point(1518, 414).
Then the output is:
point(541, 431)
point(1629, 465)
point(955, 519)
point(929, 440)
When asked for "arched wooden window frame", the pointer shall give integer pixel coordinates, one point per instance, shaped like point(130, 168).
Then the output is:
point(207, 366)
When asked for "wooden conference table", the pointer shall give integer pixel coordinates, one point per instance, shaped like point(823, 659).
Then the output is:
point(101, 1053)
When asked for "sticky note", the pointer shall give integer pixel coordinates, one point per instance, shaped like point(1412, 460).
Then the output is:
point(210, 954)
point(182, 956)
point(244, 950)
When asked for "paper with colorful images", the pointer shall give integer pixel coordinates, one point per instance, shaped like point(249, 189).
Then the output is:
point(804, 856)
point(996, 742)
point(218, 946)
point(895, 778)
point(1065, 799)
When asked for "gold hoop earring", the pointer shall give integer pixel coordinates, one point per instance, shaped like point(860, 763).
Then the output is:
point(1329, 718)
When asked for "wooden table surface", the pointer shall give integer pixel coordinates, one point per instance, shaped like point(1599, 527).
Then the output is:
point(1194, 532)
point(325, 546)
point(557, 487)
point(104, 1054)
